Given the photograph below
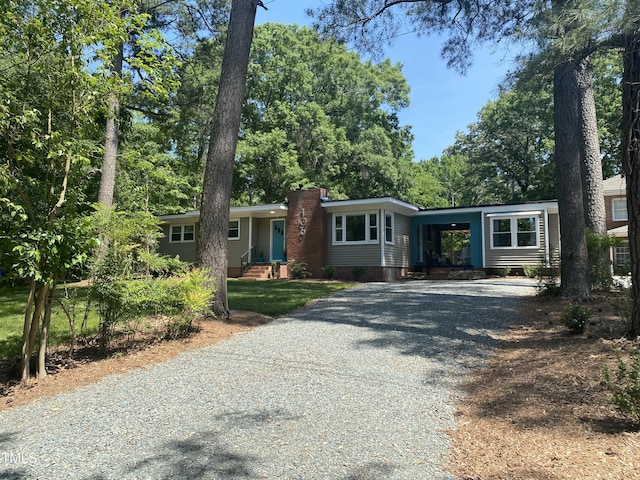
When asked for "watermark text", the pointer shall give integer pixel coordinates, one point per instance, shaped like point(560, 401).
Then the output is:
point(17, 458)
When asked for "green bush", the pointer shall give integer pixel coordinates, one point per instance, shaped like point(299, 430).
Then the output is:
point(625, 387)
point(575, 317)
point(180, 299)
point(297, 270)
point(503, 271)
point(328, 271)
point(547, 273)
point(357, 272)
point(600, 269)
point(531, 271)
point(130, 281)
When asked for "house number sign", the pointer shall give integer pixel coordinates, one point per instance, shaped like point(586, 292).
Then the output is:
point(302, 223)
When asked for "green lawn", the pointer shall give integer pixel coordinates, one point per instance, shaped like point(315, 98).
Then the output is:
point(12, 303)
point(277, 297)
point(272, 298)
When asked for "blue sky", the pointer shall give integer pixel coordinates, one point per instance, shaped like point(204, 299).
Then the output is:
point(442, 101)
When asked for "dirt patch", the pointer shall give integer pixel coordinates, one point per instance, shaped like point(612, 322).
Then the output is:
point(87, 366)
point(539, 409)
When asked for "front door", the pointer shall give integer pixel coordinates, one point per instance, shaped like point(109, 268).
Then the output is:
point(277, 240)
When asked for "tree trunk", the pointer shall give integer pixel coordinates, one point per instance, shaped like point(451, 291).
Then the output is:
point(35, 306)
point(631, 161)
point(595, 213)
point(218, 175)
point(25, 354)
point(44, 334)
point(575, 281)
point(111, 137)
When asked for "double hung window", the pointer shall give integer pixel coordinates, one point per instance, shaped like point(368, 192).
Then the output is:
point(355, 228)
point(514, 232)
point(182, 233)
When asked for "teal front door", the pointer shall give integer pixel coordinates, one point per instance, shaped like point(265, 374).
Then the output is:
point(277, 240)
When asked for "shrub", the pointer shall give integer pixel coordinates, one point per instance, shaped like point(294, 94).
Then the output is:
point(547, 273)
point(180, 299)
point(625, 387)
point(130, 281)
point(328, 271)
point(503, 271)
point(298, 270)
point(357, 272)
point(598, 247)
point(575, 317)
point(531, 271)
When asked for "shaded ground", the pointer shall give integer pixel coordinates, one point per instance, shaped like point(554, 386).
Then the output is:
point(539, 409)
point(87, 367)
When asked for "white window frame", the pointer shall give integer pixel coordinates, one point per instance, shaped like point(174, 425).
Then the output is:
point(367, 228)
point(391, 228)
point(230, 237)
point(622, 251)
point(182, 233)
point(513, 219)
point(616, 212)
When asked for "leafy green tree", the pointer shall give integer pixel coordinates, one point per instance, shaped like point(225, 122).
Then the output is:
point(426, 190)
point(317, 114)
point(50, 93)
point(461, 182)
point(511, 145)
point(151, 177)
point(607, 72)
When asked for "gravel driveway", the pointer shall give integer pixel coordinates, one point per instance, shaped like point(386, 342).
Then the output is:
point(360, 385)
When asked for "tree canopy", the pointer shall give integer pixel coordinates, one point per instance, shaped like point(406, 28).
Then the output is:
point(316, 114)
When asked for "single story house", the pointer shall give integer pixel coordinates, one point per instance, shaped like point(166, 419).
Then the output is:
point(379, 238)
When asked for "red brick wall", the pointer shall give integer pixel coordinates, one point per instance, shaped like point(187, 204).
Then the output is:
point(307, 229)
point(234, 272)
point(608, 205)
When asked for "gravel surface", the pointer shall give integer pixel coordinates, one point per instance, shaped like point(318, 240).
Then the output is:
point(360, 385)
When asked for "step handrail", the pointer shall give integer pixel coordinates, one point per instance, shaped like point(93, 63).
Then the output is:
point(247, 259)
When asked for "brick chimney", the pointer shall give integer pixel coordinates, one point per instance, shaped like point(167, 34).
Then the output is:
point(307, 228)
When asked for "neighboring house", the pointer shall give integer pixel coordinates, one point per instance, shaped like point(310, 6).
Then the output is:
point(380, 238)
point(615, 200)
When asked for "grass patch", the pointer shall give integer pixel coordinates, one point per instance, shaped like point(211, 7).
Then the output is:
point(277, 297)
point(12, 304)
point(272, 298)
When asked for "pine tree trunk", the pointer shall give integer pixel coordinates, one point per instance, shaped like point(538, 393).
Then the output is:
point(111, 137)
point(575, 281)
point(595, 213)
point(631, 161)
point(218, 175)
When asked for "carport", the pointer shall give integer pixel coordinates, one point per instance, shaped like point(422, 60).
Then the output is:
point(447, 238)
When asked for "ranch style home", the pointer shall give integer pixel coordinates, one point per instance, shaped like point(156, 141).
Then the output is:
point(383, 239)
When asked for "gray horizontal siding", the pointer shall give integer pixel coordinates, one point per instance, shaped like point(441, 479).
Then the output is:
point(186, 251)
point(513, 257)
point(554, 233)
point(399, 254)
point(236, 248)
point(360, 255)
